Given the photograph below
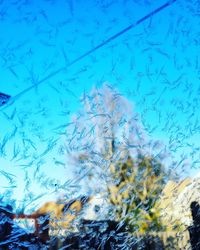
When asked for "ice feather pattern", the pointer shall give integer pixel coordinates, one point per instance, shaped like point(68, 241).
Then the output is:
point(102, 114)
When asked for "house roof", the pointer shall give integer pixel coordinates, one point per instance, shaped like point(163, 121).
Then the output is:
point(62, 213)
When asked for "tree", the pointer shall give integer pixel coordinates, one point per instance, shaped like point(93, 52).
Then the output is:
point(112, 152)
point(135, 190)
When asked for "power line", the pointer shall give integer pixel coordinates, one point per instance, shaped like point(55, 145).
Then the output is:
point(79, 58)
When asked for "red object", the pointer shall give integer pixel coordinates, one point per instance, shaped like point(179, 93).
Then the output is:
point(41, 224)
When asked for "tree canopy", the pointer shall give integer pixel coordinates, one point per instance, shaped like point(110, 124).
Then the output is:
point(115, 157)
point(134, 192)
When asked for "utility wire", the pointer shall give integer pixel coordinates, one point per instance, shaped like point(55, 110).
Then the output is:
point(79, 58)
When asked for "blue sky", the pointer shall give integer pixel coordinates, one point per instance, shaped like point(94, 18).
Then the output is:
point(155, 65)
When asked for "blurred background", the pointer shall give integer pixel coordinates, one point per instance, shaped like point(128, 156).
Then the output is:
point(76, 111)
